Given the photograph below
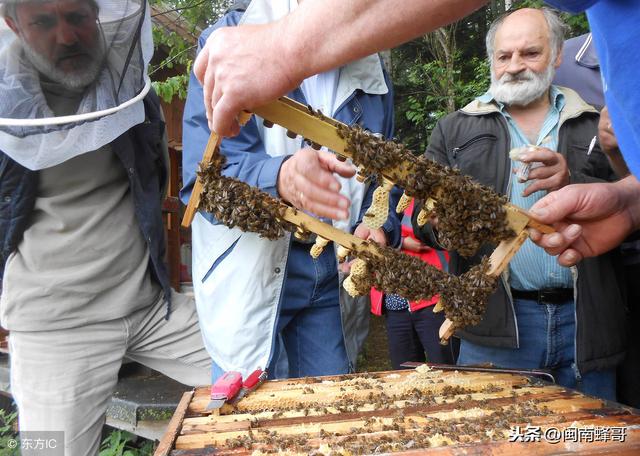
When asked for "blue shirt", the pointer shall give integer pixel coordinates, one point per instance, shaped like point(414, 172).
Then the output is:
point(531, 268)
point(615, 25)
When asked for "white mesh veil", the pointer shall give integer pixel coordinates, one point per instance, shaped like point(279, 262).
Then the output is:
point(73, 74)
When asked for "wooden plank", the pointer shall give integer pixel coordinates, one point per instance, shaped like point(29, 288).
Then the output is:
point(327, 393)
point(498, 260)
point(210, 150)
point(445, 408)
point(194, 200)
point(175, 425)
point(501, 256)
point(296, 117)
point(327, 231)
point(207, 424)
point(336, 430)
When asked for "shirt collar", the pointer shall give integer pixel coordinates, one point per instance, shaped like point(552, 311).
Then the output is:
point(557, 99)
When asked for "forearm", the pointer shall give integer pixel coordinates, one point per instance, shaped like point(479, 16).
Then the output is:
point(330, 33)
point(629, 191)
point(616, 160)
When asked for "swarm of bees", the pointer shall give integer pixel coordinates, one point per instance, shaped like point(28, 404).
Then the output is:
point(462, 297)
point(235, 203)
point(469, 214)
point(399, 418)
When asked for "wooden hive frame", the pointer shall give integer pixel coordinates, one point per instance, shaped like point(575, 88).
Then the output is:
point(298, 118)
point(315, 411)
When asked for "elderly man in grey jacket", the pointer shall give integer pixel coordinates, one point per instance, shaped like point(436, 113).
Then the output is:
point(570, 320)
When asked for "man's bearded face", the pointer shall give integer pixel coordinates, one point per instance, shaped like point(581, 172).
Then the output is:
point(523, 62)
point(61, 39)
point(522, 88)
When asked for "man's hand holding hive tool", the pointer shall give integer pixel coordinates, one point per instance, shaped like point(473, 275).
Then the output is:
point(306, 180)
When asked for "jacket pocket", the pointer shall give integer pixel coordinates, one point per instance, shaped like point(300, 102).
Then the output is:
point(219, 260)
point(477, 158)
point(211, 245)
point(471, 145)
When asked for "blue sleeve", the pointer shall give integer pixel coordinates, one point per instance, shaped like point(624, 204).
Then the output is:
point(572, 6)
point(393, 226)
point(246, 158)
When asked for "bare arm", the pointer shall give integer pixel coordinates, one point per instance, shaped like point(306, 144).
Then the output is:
point(247, 66)
point(609, 145)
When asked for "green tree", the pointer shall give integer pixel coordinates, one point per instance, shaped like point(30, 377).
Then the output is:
point(177, 25)
point(442, 71)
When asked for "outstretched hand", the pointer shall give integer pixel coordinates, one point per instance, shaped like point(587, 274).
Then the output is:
point(590, 219)
point(306, 180)
point(414, 245)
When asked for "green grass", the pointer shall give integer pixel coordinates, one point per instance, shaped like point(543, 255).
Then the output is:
point(8, 423)
point(122, 443)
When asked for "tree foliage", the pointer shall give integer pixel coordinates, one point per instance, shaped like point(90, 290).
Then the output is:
point(444, 70)
point(170, 72)
point(433, 75)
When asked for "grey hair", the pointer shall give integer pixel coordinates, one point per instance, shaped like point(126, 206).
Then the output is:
point(557, 31)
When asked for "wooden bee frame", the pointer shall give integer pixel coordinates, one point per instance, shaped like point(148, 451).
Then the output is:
point(318, 129)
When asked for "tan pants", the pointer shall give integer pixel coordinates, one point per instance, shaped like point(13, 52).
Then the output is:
point(63, 380)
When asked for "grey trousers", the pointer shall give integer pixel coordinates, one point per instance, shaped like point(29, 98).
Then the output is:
point(63, 380)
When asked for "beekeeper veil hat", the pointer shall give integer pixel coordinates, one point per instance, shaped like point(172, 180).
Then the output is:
point(73, 74)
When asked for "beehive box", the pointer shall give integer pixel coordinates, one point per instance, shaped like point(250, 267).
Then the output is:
point(408, 412)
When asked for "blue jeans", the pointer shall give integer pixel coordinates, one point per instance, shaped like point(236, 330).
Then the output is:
point(547, 340)
point(310, 339)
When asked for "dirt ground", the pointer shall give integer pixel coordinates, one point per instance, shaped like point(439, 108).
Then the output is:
point(375, 355)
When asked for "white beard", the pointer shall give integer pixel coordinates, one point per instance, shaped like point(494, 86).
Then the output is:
point(522, 88)
point(73, 79)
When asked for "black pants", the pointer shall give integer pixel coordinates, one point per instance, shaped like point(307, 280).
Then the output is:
point(628, 375)
point(412, 334)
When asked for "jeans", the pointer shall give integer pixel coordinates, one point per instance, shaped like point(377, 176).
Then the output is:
point(547, 340)
point(411, 334)
point(310, 339)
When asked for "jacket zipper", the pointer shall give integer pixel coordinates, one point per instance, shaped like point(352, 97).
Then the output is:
point(274, 337)
point(503, 276)
point(455, 150)
point(574, 273)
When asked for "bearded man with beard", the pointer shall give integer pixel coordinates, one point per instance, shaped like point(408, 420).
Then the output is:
point(543, 315)
point(84, 283)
